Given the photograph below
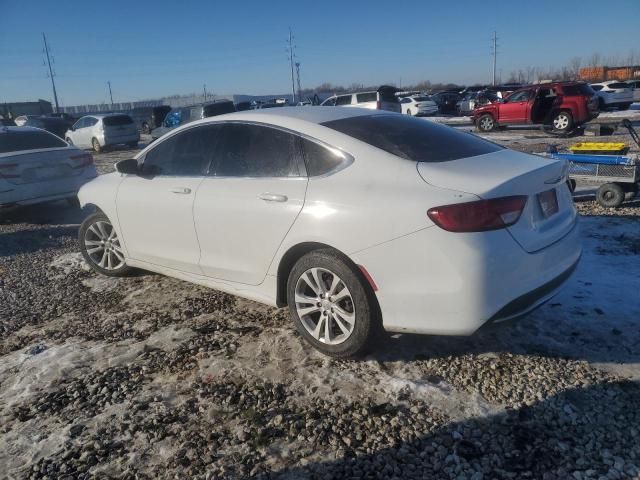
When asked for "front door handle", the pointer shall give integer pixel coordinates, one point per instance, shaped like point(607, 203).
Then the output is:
point(183, 190)
point(272, 197)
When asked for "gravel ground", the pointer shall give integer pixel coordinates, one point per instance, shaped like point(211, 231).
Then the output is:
point(151, 377)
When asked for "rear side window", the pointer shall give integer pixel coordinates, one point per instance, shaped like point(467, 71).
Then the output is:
point(343, 100)
point(579, 90)
point(22, 141)
point(413, 139)
point(320, 160)
point(117, 120)
point(367, 97)
point(619, 85)
point(187, 153)
point(256, 151)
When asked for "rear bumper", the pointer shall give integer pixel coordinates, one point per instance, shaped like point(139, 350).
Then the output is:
point(45, 191)
point(436, 282)
point(110, 140)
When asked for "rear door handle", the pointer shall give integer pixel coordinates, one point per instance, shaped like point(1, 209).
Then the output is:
point(272, 197)
point(183, 190)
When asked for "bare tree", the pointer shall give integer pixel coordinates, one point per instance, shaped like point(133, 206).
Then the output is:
point(595, 60)
point(574, 68)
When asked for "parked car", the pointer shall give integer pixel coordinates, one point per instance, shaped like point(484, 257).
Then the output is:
point(7, 122)
point(182, 115)
point(37, 166)
point(473, 89)
point(613, 94)
point(382, 99)
point(148, 118)
point(560, 105)
point(57, 126)
point(100, 131)
point(66, 117)
point(367, 220)
point(635, 84)
point(471, 100)
point(418, 105)
point(446, 101)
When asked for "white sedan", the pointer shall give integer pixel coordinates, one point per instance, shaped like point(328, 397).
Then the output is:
point(418, 105)
point(36, 166)
point(357, 220)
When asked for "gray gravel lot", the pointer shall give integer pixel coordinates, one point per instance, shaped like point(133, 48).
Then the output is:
point(151, 377)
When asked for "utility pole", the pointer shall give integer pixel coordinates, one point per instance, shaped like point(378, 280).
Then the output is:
point(204, 92)
point(495, 54)
point(110, 94)
point(298, 79)
point(291, 55)
point(53, 83)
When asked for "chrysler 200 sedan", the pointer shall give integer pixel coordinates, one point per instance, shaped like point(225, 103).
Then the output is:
point(358, 220)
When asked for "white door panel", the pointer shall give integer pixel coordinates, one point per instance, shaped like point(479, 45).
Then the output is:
point(156, 219)
point(241, 222)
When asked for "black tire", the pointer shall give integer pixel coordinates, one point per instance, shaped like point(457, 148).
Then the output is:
point(485, 123)
point(96, 145)
point(601, 105)
point(571, 183)
point(630, 190)
point(610, 195)
point(562, 121)
point(409, 112)
point(69, 141)
point(145, 128)
point(85, 235)
point(367, 322)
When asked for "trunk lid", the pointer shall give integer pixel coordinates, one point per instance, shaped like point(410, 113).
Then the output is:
point(43, 166)
point(549, 213)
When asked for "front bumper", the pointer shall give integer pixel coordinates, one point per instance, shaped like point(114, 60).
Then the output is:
point(436, 282)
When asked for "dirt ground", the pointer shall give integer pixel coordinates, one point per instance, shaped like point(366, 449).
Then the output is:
point(151, 377)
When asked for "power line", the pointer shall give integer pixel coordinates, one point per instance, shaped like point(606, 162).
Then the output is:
point(51, 74)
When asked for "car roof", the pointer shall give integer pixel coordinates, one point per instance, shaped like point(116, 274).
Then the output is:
point(24, 129)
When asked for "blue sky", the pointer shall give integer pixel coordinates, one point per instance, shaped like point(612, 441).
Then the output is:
point(150, 49)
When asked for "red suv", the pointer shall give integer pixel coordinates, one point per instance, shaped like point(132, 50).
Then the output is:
point(561, 105)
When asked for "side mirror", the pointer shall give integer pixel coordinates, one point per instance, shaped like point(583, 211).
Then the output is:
point(129, 166)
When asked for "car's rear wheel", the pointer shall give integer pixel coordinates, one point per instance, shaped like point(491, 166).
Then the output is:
point(331, 304)
point(601, 105)
point(96, 145)
point(69, 141)
point(610, 195)
point(486, 123)
point(100, 246)
point(562, 121)
point(409, 112)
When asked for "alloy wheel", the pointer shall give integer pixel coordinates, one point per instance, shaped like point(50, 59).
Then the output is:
point(561, 122)
point(103, 247)
point(325, 306)
point(486, 123)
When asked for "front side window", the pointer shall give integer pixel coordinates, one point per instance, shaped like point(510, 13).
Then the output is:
point(256, 151)
point(343, 100)
point(329, 102)
point(90, 121)
point(522, 96)
point(80, 123)
point(413, 139)
point(187, 153)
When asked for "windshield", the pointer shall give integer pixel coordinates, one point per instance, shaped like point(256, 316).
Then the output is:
point(413, 139)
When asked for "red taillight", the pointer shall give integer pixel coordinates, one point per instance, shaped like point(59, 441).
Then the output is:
point(479, 216)
point(9, 170)
point(82, 160)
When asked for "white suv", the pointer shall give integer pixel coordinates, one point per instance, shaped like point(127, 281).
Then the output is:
point(382, 99)
point(613, 94)
point(99, 131)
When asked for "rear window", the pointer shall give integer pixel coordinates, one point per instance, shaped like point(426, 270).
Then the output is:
point(413, 139)
point(219, 109)
point(580, 89)
point(421, 99)
point(619, 85)
point(117, 120)
point(21, 141)
point(367, 97)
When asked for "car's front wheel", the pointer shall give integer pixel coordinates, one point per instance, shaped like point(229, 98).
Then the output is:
point(486, 123)
point(100, 246)
point(331, 304)
point(409, 111)
point(96, 145)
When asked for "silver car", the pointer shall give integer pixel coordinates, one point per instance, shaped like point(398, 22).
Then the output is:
point(99, 131)
point(382, 99)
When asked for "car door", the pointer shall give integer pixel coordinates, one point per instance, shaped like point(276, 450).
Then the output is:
point(76, 132)
point(344, 101)
point(155, 208)
point(245, 207)
point(515, 107)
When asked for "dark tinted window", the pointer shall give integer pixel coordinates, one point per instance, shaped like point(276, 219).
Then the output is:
point(187, 153)
point(412, 138)
point(343, 100)
point(255, 151)
point(320, 160)
point(619, 85)
point(90, 121)
point(580, 89)
point(218, 109)
point(20, 141)
point(116, 120)
point(329, 102)
point(521, 96)
point(367, 97)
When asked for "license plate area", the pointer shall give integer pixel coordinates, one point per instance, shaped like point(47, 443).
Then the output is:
point(548, 201)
